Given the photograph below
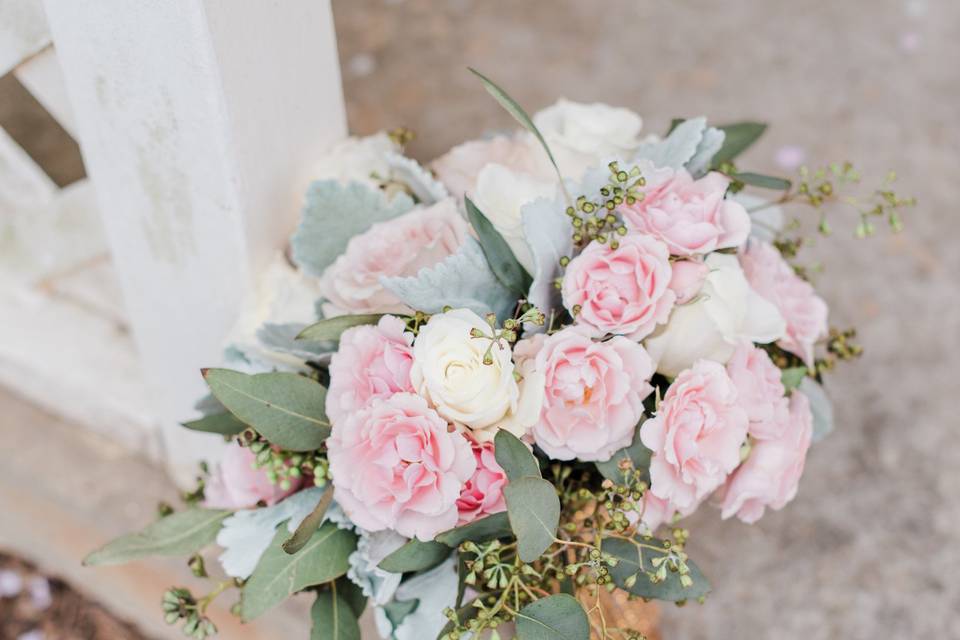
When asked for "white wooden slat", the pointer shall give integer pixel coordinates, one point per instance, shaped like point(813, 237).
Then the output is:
point(41, 75)
point(23, 32)
point(196, 119)
point(22, 182)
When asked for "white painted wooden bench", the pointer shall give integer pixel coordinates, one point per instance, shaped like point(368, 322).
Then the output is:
point(197, 120)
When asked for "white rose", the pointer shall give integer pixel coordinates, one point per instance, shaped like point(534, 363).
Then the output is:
point(582, 135)
point(448, 370)
point(355, 160)
point(726, 312)
point(499, 194)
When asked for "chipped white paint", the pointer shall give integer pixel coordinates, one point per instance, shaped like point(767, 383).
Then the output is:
point(197, 120)
point(23, 32)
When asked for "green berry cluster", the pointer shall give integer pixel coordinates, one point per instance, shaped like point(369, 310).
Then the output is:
point(284, 467)
point(179, 604)
point(593, 219)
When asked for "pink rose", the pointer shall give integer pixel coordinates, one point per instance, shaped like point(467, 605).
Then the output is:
point(687, 279)
point(760, 391)
point(238, 484)
point(692, 217)
point(775, 280)
point(396, 465)
point(458, 168)
point(399, 247)
point(624, 290)
point(695, 435)
point(771, 473)
point(372, 362)
point(594, 392)
point(482, 495)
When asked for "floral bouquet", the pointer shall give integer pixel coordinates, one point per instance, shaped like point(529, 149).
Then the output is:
point(485, 394)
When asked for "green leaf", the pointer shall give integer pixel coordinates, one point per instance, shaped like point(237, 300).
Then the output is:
point(279, 575)
point(397, 610)
point(285, 408)
point(738, 137)
point(415, 555)
point(556, 617)
point(309, 524)
point(515, 110)
point(333, 214)
point(534, 511)
point(637, 454)
point(498, 253)
point(762, 181)
point(179, 534)
point(333, 328)
point(225, 424)
point(635, 561)
point(333, 618)
point(489, 528)
point(514, 456)
point(792, 377)
point(353, 594)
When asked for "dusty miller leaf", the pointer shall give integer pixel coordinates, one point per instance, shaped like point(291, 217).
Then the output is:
point(677, 148)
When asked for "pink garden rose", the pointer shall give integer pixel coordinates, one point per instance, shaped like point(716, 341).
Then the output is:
point(775, 280)
point(687, 279)
point(695, 435)
point(399, 247)
point(594, 392)
point(623, 291)
point(373, 361)
point(458, 168)
point(238, 484)
point(692, 217)
point(396, 465)
point(771, 473)
point(760, 391)
point(482, 495)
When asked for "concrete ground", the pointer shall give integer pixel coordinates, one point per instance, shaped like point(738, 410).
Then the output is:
point(869, 547)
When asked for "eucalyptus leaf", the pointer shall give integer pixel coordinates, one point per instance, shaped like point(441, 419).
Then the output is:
point(226, 424)
point(820, 406)
point(279, 575)
point(330, 329)
point(335, 213)
point(333, 618)
point(499, 256)
point(309, 524)
point(353, 594)
point(792, 377)
point(415, 555)
point(285, 408)
point(534, 511)
point(515, 110)
point(738, 137)
point(556, 617)
point(514, 456)
point(488, 528)
point(762, 181)
point(636, 454)
point(633, 560)
point(463, 279)
point(179, 534)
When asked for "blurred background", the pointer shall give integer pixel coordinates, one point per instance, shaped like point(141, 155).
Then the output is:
point(869, 548)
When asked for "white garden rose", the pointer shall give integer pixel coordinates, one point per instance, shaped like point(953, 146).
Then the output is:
point(449, 371)
point(726, 312)
point(500, 193)
point(583, 135)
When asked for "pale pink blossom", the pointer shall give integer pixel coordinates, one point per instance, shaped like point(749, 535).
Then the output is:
point(760, 390)
point(398, 247)
point(238, 484)
point(695, 435)
point(623, 291)
point(656, 512)
point(373, 361)
point(482, 495)
point(459, 168)
point(693, 217)
point(770, 475)
point(775, 280)
point(594, 392)
point(397, 465)
point(688, 279)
